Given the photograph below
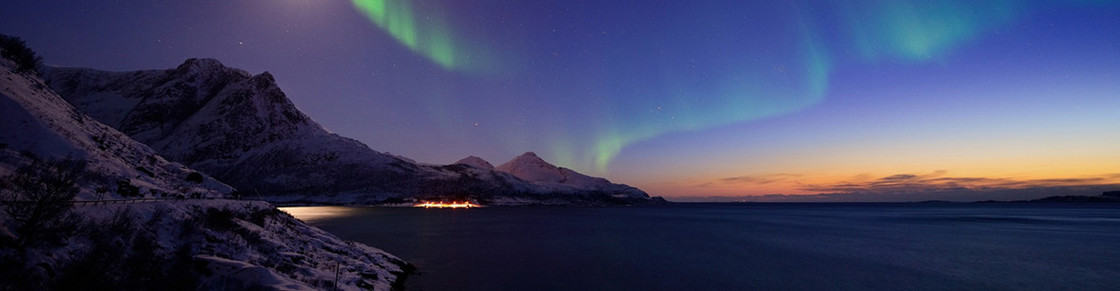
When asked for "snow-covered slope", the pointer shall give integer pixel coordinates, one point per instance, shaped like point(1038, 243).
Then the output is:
point(35, 123)
point(207, 244)
point(476, 162)
point(237, 127)
point(530, 167)
point(195, 245)
point(244, 131)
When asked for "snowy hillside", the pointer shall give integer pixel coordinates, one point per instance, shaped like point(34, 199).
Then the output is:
point(534, 169)
point(244, 131)
point(49, 243)
point(530, 167)
point(35, 123)
point(237, 127)
point(476, 162)
point(195, 245)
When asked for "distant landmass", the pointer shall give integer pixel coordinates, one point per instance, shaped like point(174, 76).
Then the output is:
point(1107, 196)
point(244, 131)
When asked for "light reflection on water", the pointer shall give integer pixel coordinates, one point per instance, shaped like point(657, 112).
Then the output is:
point(312, 214)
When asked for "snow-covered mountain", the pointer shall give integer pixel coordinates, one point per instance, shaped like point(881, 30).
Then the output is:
point(235, 126)
point(140, 245)
point(530, 167)
point(36, 123)
point(476, 162)
point(244, 131)
point(558, 187)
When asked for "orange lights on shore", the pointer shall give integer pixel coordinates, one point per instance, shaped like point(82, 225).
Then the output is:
point(447, 205)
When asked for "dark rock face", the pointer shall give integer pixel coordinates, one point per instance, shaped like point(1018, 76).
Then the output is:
point(243, 130)
point(232, 111)
point(37, 125)
point(237, 127)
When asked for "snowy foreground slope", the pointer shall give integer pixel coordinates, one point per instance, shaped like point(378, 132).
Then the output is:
point(199, 245)
point(243, 130)
point(182, 243)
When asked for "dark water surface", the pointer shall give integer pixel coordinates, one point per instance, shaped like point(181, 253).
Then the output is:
point(745, 246)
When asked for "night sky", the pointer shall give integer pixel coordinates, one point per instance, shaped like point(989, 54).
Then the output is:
point(679, 98)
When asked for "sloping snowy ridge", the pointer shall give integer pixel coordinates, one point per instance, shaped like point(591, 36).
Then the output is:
point(193, 240)
point(243, 130)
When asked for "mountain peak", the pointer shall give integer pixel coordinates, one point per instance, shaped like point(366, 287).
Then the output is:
point(264, 81)
point(266, 75)
point(532, 168)
point(529, 157)
point(205, 68)
point(205, 64)
point(476, 162)
point(528, 161)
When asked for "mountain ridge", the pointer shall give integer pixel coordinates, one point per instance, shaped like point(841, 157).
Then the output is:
point(242, 129)
point(39, 124)
point(199, 240)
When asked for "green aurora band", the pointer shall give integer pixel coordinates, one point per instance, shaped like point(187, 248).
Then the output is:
point(918, 31)
point(738, 100)
point(911, 32)
point(874, 32)
point(433, 41)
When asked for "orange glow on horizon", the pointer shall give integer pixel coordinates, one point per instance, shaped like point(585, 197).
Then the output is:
point(1017, 158)
point(878, 181)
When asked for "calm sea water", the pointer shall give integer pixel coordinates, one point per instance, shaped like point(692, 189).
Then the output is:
point(745, 246)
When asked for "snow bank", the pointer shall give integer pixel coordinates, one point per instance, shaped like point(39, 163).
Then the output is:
point(207, 244)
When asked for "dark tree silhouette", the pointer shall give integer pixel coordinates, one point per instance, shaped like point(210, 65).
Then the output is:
point(16, 50)
point(194, 177)
point(40, 196)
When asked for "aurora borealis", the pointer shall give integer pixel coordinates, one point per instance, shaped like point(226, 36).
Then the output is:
point(679, 98)
point(397, 18)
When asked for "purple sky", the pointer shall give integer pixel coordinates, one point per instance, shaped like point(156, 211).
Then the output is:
point(680, 98)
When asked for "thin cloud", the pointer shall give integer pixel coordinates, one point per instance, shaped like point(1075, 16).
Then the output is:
point(753, 180)
point(937, 181)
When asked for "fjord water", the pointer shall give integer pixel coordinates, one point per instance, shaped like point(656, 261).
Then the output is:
point(745, 246)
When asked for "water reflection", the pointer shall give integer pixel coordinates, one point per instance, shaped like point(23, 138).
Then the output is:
point(312, 214)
